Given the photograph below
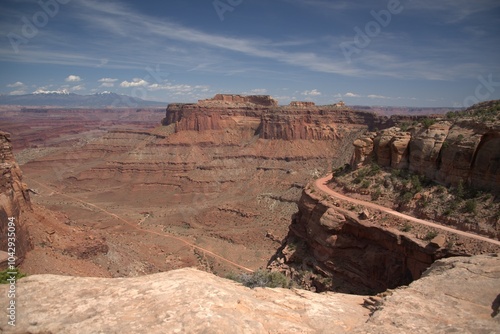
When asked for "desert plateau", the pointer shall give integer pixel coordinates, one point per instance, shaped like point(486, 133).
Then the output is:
point(230, 166)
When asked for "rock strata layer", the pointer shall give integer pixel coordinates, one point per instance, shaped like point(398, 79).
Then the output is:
point(261, 113)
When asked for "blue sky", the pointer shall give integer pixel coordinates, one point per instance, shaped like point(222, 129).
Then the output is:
point(402, 53)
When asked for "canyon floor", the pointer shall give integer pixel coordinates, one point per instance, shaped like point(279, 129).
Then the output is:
point(117, 194)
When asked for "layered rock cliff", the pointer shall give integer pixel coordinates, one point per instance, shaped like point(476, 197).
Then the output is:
point(339, 245)
point(348, 254)
point(465, 148)
point(299, 120)
point(14, 200)
point(458, 295)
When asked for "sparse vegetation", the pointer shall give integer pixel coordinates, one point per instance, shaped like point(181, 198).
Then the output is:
point(405, 126)
point(407, 227)
point(471, 206)
point(376, 194)
point(4, 275)
point(431, 235)
point(483, 112)
point(422, 197)
point(459, 190)
point(427, 122)
point(407, 197)
point(374, 169)
point(417, 185)
point(262, 278)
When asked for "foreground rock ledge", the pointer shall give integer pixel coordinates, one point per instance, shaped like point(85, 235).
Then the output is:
point(455, 295)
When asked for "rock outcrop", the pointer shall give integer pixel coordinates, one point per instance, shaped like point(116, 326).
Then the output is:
point(447, 151)
point(180, 301)
point(458, 295)
point(14, 199)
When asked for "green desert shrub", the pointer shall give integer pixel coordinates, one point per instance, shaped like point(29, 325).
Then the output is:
point(263, 279)
point(4, 275)
point(407, 197)
point(428, 122)
point(431, 235)
point(376, 194)
point(470, 206)
point(365, 184)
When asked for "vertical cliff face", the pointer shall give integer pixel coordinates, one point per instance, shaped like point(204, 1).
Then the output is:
point(297, 121)
point(348, 254)
point(14, 199)
point(203, 117)
point(448, 151)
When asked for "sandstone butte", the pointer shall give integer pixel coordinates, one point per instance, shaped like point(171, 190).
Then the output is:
point(459, 294)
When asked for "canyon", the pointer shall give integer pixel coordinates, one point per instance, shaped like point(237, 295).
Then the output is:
point(213, 185)
point(226, 185)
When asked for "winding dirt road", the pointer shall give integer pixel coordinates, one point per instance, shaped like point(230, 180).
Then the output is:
point(320, 184)
point(136, 227)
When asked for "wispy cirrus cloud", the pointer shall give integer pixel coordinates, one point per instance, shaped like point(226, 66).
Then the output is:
point(452, 11)
point(118, 27)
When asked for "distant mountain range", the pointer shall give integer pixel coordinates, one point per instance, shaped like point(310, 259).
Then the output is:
point(66, 99)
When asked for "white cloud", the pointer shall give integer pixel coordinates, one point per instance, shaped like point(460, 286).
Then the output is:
point(77, 88)
point(136, 82)
point(18, 92)
point(16, 84)
point(107, 82)
point(351, 95)
point(313, 92)
point(20, 88)
point(73, 78)
point(43, 90)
